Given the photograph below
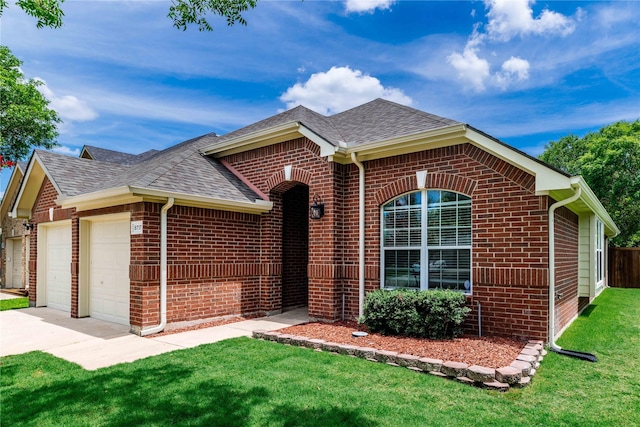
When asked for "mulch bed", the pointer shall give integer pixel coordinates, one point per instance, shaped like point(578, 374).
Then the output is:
point(490, 352)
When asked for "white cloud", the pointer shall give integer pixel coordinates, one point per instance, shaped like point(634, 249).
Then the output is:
point(364, 6)
point(513, 70)
point(506, 20)
point(75, 152)
point(339, 89)
point(68, 107)
point(510, 18)
point(471, 69)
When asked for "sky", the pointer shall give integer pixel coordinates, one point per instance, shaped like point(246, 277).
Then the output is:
point(122, 77)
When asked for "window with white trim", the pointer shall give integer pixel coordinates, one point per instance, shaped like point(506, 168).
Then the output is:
point(599, 252)
point(429, 228)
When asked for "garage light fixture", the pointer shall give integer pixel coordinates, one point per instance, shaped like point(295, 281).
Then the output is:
point(28, 226)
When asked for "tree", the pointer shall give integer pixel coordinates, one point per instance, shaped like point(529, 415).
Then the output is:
point(609, 161)
point(26, 121)
point(182, 12)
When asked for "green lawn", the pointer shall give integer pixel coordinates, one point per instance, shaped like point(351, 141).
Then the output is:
point(10, 304)
point(245, 382)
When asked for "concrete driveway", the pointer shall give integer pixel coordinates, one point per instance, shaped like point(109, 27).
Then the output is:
point(94, 343)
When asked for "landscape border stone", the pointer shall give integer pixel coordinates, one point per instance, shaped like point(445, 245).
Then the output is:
point(518, 374)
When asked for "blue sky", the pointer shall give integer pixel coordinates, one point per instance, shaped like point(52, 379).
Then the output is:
point(121, 77)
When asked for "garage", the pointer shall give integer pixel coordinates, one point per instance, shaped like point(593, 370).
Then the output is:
point(57, 269)
point(108, 273)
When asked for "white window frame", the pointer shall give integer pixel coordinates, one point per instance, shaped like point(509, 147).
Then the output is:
point(424, 248)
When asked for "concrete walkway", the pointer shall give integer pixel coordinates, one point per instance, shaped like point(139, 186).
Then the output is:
point(94, 343)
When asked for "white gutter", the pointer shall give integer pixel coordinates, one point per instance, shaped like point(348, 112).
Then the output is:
point(361, 237)
point(552, 266)
point(163, 271)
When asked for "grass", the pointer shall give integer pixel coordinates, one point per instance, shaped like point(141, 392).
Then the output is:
point(245, 382)
point(10, 304)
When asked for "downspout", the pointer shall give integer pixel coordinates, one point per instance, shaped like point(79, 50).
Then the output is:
point(552, 267)
point(361, 236)
point(163, 271)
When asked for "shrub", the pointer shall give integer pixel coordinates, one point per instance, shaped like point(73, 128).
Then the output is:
point(433, 314)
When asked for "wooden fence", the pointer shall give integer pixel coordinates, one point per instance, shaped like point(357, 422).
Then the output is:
point(624, 267)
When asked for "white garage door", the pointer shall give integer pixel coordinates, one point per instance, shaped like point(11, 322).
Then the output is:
point(58, 267)
point(109, 271)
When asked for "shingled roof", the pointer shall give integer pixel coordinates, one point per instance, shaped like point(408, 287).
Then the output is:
point(374, 121)
point(111, 156)
point(179, 170)
point(380, 120)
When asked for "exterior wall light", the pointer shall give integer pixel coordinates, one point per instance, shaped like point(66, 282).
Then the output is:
point(28, 226)
point(316, 210)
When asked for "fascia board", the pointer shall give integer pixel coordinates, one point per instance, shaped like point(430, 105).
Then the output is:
point(10, 191)
point(127, 194)
point(30, 187)
point(268, 137)
point(253, 140)
point(547, 179)
point(326, 148)
point(258, 206)
point(589, 198)
point(443, 137)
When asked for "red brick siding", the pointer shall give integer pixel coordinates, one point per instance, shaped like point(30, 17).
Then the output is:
point(566, 267)
point(509, 232)
point(264, 167)
point(222, 263)
point(213, 264)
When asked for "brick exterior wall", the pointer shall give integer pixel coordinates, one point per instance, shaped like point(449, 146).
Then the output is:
point(223, 263)
point(566, 265)
point(264, 167)
point(509, 248)
point(213, 264)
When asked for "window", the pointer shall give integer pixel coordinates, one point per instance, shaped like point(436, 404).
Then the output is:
point(599, 253)
point(427, 228)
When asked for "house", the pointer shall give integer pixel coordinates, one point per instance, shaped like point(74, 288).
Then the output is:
point(14, 253)
point(302, 209)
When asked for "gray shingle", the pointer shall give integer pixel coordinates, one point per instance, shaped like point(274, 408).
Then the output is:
point(317, 122)
point(180, 169)
point(374, 121)
point(111, 156)
point(75, 176)
point(380, 120)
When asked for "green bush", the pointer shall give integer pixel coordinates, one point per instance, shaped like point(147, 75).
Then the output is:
point(436, 314)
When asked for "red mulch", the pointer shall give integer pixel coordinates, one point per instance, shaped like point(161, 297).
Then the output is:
point(490, 352)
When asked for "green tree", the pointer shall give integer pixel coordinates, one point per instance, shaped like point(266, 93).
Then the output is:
point(26, 121)
point(182, 12)
point(609, 161)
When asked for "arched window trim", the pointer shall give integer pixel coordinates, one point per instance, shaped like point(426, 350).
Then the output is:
point(408, 274)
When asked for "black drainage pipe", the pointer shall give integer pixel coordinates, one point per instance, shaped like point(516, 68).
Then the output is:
point(577, 354)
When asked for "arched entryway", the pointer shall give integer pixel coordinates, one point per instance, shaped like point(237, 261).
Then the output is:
point(295, 247)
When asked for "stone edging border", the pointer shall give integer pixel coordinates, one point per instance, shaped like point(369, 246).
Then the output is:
point(517, 374)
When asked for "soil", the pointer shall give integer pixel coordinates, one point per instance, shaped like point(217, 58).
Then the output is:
point(490, 352)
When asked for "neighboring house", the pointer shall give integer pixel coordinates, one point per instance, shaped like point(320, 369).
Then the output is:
point(14, 249)
point(220, 226)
